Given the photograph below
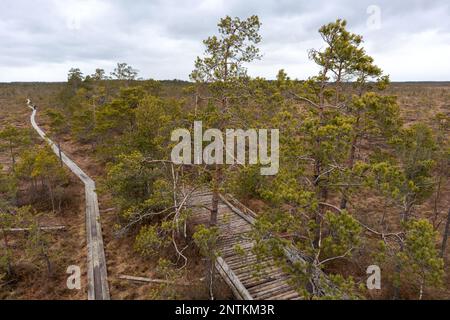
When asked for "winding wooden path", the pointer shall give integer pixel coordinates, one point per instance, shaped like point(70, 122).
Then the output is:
point(237, 269)
point(97, 277)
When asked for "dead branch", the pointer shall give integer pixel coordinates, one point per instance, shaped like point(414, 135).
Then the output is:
point(337, 257)
point(305, 100)
point(381, 234)
point(148, 280)
point(54, 228)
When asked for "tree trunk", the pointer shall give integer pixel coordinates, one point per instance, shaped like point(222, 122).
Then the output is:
point(214, 209)
point(436, 201)
point(59, 204)
point(215, 196)
point(49, 264)
point(94, 114)
point(211, 278)
point(383, 218)
point(196, 101)
point(398, 267)
point(445, 238)
point(398, 270)
point(441, 171)
point(351, 163)
point(52, 198)
point(407, 212)
point(8, 260)
point(13, 158)
point(322, 192)
point(422, 283)
point(60, 154)
point(211, 263)
point(318, 215)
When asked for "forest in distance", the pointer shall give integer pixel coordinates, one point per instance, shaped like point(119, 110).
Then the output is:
point(359, 207)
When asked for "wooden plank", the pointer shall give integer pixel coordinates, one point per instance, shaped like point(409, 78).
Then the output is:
point(268, 286)
point(252, 267)
point(227, 242)
point(252, 282)
point(243, 260)
point(276, 290)
point(248, 256)
point(286, 296)
point(222, 267)
point(246, 275)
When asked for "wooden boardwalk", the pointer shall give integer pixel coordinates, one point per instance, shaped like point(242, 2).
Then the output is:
point(97, 276)
point(237, 269)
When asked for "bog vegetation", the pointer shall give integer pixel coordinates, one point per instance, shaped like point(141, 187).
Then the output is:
point(344, 147)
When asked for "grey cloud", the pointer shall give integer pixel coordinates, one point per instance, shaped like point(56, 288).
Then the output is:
point(162, 37)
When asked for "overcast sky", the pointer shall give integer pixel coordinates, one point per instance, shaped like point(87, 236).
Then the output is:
point(41, 40)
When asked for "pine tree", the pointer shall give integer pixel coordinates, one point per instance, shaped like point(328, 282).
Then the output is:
point(125, 72)
point(14, 140)
point(43, 169)
point(7, 220)
point(222, 70)
point(58, 126)
point(420, 257)
point(37, 242)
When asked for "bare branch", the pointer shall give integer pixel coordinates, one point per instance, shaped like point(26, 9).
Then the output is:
point(337, 257)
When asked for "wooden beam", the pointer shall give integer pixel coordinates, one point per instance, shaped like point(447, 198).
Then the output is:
point(246, 209)
point(246, 217)
point(55, 228)
point(148, 280)
point(232, 280)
